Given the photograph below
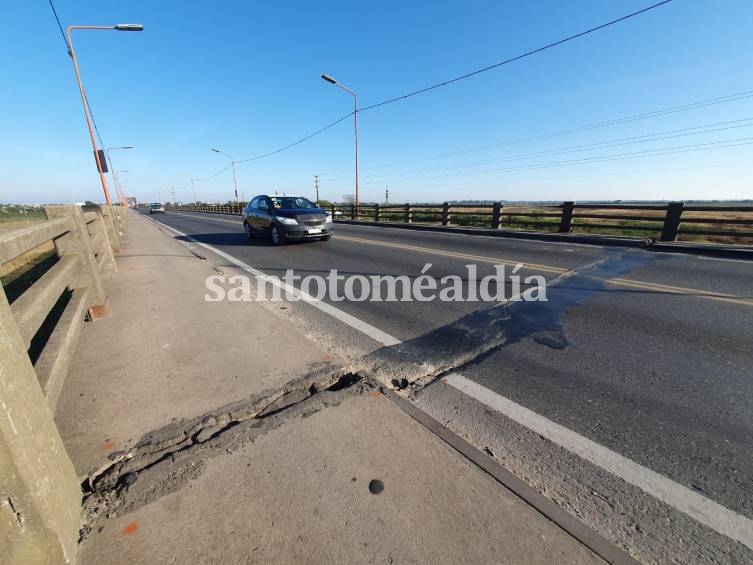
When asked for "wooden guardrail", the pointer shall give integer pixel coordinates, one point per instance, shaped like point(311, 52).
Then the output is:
point(84, 239)
point(663, 222)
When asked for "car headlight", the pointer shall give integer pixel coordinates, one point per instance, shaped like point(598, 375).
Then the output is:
point(328, 219)
point(287, 221)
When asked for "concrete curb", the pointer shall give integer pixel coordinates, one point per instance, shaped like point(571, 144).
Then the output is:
point(707, 250)
point(566, 521)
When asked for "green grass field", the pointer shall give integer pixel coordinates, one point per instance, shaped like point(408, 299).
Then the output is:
point(17, 213)
point(13, 217)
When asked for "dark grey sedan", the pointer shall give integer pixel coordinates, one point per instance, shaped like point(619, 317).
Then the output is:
point(286, 218)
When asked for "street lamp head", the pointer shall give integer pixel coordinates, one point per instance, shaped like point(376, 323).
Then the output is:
point(215, 150)
point(129, 27)
point(329, 79)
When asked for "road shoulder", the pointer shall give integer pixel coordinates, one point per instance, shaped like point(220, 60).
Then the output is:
point(165, 354)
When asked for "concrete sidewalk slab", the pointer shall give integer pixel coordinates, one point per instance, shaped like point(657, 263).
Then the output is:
point(165, 354)
point(300, 493)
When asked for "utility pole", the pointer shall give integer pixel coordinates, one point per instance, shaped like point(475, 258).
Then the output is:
point(387, 195)
point(98, 153)
point(235, 181)
point(193, 187)
point(316, 183)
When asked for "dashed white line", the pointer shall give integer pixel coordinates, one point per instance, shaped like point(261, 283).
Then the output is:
point(707, 512)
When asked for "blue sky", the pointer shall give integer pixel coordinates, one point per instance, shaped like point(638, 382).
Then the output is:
point(244, 77)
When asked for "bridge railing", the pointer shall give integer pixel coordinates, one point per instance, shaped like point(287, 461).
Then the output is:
point(44, 301)
point(229, 209)
point(45, 311)
point(661, 222)
point(664, 222)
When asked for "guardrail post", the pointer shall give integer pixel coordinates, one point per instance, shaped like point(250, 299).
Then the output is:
point(100, 226)
point(118, 220)
point(496, 213)
point(566, 223)
point(352, 211)
point(377, 213)
point(41, 497)
point(109, 223)
point(672, 221)
point(78, 241)
point(407, 215)
point(445, 213)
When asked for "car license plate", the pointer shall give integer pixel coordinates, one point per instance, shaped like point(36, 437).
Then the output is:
point(315, 230)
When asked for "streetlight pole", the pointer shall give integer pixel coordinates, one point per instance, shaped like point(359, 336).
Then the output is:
point(232, 165)
point(118, 184)
point(331, 80)
point(119, 27)
point(172, 191)
point(114, 174)
point(193, 187)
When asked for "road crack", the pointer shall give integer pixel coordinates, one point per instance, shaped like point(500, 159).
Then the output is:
point(164, 460)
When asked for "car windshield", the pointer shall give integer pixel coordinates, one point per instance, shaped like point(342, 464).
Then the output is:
point(291, 202)
point(155, 205)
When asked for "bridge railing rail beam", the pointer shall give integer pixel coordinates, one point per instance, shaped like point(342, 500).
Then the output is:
point(41, 315)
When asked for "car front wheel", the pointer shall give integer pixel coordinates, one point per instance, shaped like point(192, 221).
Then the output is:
point(277, 237)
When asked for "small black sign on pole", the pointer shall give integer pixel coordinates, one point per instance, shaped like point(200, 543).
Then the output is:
point(102, 160)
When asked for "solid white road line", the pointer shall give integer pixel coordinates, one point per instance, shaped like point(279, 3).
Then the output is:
point(707, 512)
point(374, 333)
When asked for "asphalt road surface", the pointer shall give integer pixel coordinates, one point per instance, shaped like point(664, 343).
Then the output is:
point(627, 397)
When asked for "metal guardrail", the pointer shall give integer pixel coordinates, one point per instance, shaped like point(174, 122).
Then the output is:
point(665, 222)
point(84, 239)
point(229, 209)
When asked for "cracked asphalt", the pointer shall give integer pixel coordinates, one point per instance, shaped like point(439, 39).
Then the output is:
point(659, 376)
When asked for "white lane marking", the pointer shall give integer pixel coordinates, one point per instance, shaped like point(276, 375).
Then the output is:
point(726, 259)
point(707, 512)
point(365, 328)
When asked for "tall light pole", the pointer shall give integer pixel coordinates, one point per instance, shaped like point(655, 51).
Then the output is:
point(172, 191)
point(330, 80)
point(118, 184)
point(114, 175)
point(232, 164)
point(97, 157)
point(193, 187)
